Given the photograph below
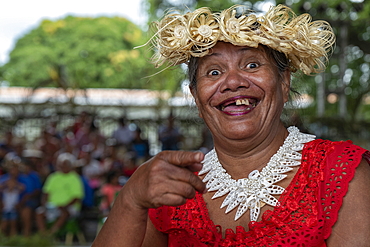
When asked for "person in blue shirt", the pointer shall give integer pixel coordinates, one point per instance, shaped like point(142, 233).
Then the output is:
point(30, 198)
point(10, 191)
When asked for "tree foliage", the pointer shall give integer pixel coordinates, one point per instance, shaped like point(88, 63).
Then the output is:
point(157, 8)
point(78, 52)
point(348, 72)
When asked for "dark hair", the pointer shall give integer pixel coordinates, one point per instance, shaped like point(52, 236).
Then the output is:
point(111, 175)
point(281, 61)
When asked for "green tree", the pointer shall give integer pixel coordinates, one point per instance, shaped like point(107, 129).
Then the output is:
point(76, 52)
point(156, 8)
point(348, 73)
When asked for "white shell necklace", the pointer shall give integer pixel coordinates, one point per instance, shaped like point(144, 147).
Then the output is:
point(255, 191)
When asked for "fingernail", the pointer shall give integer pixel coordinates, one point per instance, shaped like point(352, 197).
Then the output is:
point(198, 156)
point(205, 191)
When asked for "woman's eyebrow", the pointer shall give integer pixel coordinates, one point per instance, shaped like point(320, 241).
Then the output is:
point(210, 56)
point(246, 48)
point(242, 49)
point(217, 54)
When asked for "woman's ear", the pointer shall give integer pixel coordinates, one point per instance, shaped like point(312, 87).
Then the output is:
point(286, 85)
point(192, 91)
point(194, 94)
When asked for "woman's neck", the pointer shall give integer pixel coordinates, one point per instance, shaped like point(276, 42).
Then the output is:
point(241, 157)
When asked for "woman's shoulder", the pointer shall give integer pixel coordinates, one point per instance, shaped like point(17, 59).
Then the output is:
point(336, 160)
point(337, 149)
point(347, 153)
point(352, 224)
point(345, 172)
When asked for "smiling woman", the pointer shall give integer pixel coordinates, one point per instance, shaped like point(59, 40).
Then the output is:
point(263, 184)
point(232, 73)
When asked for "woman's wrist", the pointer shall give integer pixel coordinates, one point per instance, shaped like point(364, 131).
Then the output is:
point(127, 201)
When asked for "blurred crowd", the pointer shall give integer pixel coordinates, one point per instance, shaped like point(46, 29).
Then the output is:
point(65, 173)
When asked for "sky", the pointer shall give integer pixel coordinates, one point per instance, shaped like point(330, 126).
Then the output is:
point(18, 17)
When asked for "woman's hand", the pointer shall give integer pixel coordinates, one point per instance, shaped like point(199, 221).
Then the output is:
point(166, 179)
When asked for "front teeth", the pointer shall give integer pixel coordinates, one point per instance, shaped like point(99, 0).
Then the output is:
point(242, 102)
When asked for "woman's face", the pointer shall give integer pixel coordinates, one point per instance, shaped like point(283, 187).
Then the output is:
point(239, 91)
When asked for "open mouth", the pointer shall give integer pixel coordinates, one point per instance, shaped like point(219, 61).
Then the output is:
point(238, 105)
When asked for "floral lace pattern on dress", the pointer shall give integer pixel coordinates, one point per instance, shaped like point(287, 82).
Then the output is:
point(308, 208)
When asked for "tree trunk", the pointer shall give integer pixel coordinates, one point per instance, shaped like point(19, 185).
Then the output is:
point(343, 42)
point(320, 95)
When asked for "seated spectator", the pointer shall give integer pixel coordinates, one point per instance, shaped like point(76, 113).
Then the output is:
point(62, 195)
point(113, 158)
point(169, 135)
point(88, 199)
point(10, 189)
point(130, 165)
point(140, 147)
point(123, 135)
point(8, 142)
point(3, 152)
point(49, 145)
point(97, 145)
point(92, 170)
point(83, 118)
point(108, 191)
point(30, 198)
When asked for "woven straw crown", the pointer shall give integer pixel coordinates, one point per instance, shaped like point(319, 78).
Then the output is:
point(306, 43)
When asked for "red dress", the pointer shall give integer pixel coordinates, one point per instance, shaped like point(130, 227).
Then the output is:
point(307, 212)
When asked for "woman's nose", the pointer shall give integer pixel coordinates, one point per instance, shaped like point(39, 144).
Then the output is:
point(234, 80)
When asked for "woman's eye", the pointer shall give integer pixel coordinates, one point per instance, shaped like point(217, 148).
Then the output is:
point(252, 65)
point(214, 72)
